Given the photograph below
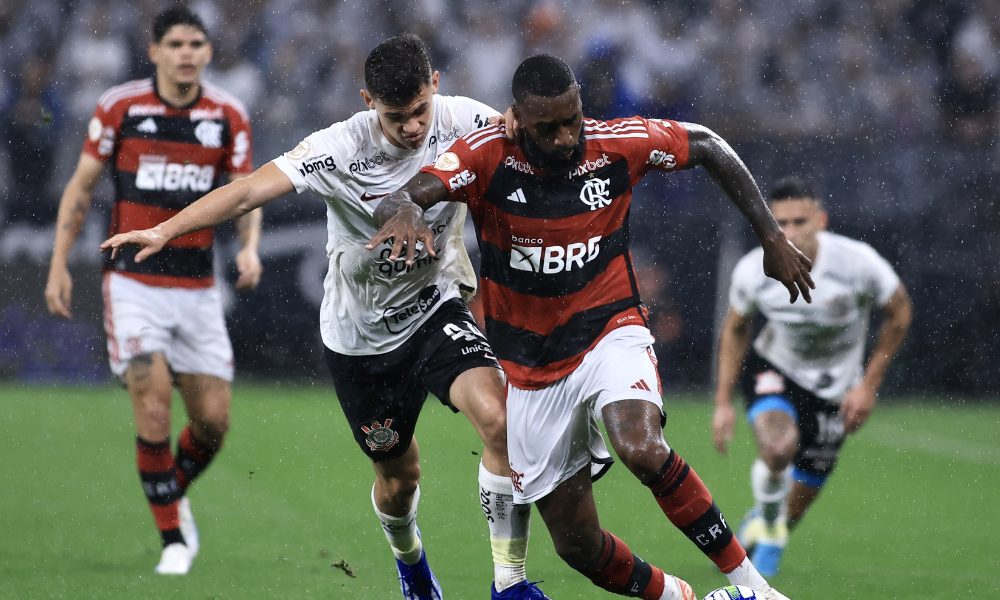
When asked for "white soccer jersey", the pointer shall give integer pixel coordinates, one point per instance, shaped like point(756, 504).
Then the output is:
point(371, 305)
point(820, 346)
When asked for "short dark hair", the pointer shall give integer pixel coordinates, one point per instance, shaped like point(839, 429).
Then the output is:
point(793, 187)
point(397, 69)
point(541, 75)
point(177, 15)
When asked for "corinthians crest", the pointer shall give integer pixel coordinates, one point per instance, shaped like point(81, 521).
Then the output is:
point(380, 437)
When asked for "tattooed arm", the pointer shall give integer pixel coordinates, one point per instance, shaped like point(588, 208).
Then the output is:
point(72, 211)
point(247, 261)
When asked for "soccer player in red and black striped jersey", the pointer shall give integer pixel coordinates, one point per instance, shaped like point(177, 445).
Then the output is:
point(169, 140)
point(564, 316)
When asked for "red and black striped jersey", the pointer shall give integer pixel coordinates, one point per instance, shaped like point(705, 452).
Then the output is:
point(556, 270)
point(162, 159)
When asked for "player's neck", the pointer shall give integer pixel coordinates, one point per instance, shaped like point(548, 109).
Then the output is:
point(175, 94)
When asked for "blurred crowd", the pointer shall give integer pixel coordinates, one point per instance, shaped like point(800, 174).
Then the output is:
point(902, 69)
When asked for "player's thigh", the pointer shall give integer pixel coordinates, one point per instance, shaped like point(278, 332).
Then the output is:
point(207, 399)
point(381, 399)
point(480, 394)
point(200, 344)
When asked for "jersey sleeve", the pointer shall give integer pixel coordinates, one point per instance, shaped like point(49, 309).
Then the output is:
point(239, 154)
point(102, 131)
point(667, 146)
point(746, 277)
point(464, 167)
point(314, 163)
point(882, 278)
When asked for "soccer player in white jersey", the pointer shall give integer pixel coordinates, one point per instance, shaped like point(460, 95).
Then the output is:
point(394, 330)
point(804, 381)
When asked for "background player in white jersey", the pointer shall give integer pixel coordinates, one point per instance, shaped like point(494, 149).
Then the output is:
point(804, 382)
point(166, 139)
point(393, 329)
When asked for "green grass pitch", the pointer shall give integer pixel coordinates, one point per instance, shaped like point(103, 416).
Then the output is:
point(912, 513)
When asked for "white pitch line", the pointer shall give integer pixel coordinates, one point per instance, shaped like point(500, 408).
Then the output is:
point(936, 445)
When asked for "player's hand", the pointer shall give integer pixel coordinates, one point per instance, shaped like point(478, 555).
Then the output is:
point(784, 262)
point(59, 292)
point(250, 268)
point(511, 127)
point(723, 423)
point(857, 407)
point(406, 228)
point(150, 241)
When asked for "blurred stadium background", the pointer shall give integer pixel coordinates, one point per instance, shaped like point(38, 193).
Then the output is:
point(891, 106)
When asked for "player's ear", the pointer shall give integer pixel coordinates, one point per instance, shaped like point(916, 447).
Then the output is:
point(434, 82)
point(824, 219)
point(368, 99)
point(153, 52)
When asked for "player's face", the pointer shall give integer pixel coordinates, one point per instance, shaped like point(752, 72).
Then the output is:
point(554, 124)
point(181, 55)
point(801, 219)
point(406, 126)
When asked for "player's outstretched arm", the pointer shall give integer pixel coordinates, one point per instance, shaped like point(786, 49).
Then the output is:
point(858, 403)
point(782, 260)
point(73, 209)
point(400, 216)
point(733, 344)
point(229, 201)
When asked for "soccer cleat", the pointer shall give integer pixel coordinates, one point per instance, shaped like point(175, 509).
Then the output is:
point(686, 592)
point(524, 590)
point(188, 529)
point(769, 593)
point(417, 581)
point(770, 546)
point(175, 560)
point(752, 529)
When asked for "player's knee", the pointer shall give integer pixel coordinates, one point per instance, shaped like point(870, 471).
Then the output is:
point(642, 452)
point(495, 434)
point(212, 428)
point(779, 453)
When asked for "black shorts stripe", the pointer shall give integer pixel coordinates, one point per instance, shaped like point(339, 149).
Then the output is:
point(176, 262)
point(533, 350)
point(496, 267)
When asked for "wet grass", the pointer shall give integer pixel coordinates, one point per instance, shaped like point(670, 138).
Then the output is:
point(910, 515)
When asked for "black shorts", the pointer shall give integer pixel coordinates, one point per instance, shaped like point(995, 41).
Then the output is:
point(821, 428)
point(382, 394)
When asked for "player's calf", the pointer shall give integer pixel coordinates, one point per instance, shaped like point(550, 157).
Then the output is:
point(621, 572)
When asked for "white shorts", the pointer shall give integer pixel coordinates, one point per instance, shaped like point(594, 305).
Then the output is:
point(552, 433)
point(186, 326)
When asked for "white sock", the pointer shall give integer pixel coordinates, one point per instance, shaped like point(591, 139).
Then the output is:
point(672, 588)
point(508, 528)
point(770, 494)
point(746, 574)
point(402, 531)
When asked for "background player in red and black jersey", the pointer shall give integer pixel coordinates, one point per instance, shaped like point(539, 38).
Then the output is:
point(168, 139)
point(562, 307)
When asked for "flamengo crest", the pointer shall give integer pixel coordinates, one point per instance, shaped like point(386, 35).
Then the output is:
point(380, 437)
point(596, 193)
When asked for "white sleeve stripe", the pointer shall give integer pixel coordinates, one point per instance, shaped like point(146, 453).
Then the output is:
point(619, 130)
point(116, 94)
point(221, 96)
point(620, 135)
point(472, 135)
point(487, 139)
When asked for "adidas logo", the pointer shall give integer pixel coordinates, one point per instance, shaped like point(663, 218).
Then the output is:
point(148, 126)
point(518, 196)
point(640, 385)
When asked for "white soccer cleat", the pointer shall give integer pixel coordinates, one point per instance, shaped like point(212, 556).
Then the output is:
point(769, 593)
point(175, 560)
point(188, 528)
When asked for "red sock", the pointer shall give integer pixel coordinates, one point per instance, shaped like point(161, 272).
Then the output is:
point(157, 472)
point(688, 504)
point(193, 457)
point(624, 573)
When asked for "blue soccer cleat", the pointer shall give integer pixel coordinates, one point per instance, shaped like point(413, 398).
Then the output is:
point(766, 555)
point(524, 590)
point(417, 581)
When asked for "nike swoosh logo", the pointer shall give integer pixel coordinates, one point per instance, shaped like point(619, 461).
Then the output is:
point(366, 197)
